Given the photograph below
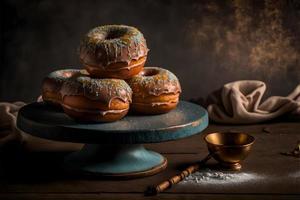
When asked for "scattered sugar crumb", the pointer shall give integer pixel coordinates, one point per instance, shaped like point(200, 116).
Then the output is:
point(215, 177)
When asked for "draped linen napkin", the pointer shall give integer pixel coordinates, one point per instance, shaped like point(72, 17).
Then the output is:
point(10, 133)
point(240, 102)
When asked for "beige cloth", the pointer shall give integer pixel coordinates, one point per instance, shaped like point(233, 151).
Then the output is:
point(10, 133)
point(240, 103)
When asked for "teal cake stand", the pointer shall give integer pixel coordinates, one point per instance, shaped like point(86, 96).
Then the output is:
point(114, 149)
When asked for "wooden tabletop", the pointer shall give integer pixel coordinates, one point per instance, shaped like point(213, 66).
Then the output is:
point(266, 173)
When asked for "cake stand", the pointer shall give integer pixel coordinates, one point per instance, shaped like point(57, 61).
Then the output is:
point(114, 149)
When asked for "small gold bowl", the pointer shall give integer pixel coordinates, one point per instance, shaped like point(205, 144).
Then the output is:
point(229, 148)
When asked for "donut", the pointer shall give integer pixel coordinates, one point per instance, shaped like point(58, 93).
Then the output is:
point(95, 100)
point(113, 51)
point(155, 91)
point(53, 82)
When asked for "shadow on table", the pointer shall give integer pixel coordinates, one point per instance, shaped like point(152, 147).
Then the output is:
point(16, 165)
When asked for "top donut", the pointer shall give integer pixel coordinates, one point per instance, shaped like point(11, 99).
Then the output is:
point(113, 51)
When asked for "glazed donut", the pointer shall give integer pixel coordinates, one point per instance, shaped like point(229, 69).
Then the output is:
point(155, 91)
point(113, 51)
point(53, 82)
point(95, 100)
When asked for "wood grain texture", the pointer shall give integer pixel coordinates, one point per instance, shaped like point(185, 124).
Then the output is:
point(39, 176)
point(123, 196)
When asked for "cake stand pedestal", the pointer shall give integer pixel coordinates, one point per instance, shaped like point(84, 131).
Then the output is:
point(114, 149)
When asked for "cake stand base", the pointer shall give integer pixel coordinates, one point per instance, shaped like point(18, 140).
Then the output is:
point(122, 160)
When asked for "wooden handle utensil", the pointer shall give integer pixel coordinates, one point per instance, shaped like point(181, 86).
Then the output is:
point(154, 190)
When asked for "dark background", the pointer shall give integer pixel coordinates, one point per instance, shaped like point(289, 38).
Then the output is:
point(205, 43)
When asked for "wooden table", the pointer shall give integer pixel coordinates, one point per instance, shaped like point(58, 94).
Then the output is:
point(277, 175)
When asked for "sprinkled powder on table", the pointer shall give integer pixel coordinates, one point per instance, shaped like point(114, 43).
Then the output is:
point(208, 176)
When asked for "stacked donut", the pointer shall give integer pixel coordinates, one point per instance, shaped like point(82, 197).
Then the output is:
point(113, 80)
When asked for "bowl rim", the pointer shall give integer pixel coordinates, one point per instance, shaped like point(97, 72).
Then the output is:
point(231, 146)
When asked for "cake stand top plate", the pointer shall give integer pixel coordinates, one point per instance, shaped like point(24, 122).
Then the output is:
point(42, 120)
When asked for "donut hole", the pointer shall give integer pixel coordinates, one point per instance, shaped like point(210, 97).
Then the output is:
point(150, 72)
point(113, 34)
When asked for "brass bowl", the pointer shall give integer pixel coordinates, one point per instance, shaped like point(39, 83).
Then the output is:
point(229, 148)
